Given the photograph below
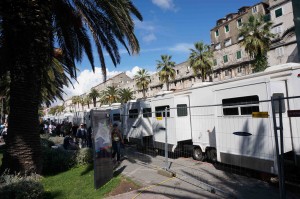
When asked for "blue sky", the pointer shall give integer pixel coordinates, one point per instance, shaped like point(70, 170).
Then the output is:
point(169, 27)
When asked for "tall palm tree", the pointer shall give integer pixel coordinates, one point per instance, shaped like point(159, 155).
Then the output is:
point(257, 40)
point(87, 101)
point(166, 67)
point(75, 101)
point(94, 94)
point(125, 94)
point(60, 109)
point(110, 95)
point(82, 102)
point(200, 60)
point(142, 79)
point(30, 29)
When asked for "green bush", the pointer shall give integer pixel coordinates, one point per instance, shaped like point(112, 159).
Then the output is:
point(19, 187)
point(46, 142)
point(84, 156)
point(57, 160)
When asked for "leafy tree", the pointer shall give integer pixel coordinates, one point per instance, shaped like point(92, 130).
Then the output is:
point(125, 94)
point(167, 71)
point(94, 94)
point(142, 79)
point(30, 30)
point(257, 40)
point(110, 95)
point(200, 60)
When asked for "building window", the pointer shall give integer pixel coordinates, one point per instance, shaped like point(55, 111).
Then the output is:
point(278, 12)
point(215, 75)
point(225, 58)
point(182, 110)
point(117, 117)
point(226, 73)
point(238, 54)
point(218, 46)
point(215, 62)
point(239, 22)
point(217, 33)
point(227, 42)
point(279, 51)
point(277, 29)
point(254, 9)
point(177, 71)
point(239, 69)
point(226, 28)
point(240, 38)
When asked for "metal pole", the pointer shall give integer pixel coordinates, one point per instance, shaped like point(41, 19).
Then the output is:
point(281, 147)
point(166, 140)
point(277, 147)
point(2, 111)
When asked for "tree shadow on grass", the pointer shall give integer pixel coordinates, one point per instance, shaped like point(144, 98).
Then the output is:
point(52, 194)
point(87, 169)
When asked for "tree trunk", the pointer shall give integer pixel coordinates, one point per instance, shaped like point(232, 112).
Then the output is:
point(28, 41)
point(144, 95)
point(168, 85)
point(94, 101)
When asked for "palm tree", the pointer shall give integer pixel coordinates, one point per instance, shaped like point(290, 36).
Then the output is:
point(257, 40)
point(200, 60)
point(125, 94)
point(82, 102)
point(75, 101)
point(93, 95)
point(110, 95)
point(166, 67)
point(87, 101)
point(60, 109)
point(30, 29)
point(142, 79)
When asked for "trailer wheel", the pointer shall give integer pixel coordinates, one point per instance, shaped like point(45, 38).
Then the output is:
point(197, 154)
point(212, 155)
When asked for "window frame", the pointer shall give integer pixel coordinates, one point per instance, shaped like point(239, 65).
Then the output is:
point(239, 52)
point(227, 25)
point(114, 117)
point(215, 62)
point(239, 22)
point(146, 112)
point(217, 33)
point(240, 104)
point(254, 9)
point(132, 114)
point(163, 108)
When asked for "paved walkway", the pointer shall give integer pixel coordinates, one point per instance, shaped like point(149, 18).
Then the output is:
point(193, 180)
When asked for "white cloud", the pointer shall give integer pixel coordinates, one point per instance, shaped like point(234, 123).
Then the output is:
point(165, 4)
point(182, 47)
point(88, 79)
point(150, 37)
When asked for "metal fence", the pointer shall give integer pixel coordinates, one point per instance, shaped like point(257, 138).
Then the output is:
point(242, 135)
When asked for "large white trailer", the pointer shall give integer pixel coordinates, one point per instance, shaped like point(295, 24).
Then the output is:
point(215, 119)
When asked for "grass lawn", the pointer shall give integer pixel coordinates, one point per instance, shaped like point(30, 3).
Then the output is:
point(77, 183)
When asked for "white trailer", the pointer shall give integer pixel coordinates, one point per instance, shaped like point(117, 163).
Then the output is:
point(215, 119)
point(136, 122)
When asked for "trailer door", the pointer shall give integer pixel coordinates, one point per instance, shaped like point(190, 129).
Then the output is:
point(182, 118)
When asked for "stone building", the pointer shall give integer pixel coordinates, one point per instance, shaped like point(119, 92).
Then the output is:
point(230, 59)
point(284, 45)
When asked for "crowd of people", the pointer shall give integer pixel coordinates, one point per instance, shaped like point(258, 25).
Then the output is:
point(75, 136)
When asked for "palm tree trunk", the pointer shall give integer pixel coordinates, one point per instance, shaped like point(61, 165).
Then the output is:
point(94, 101)
point(168, 86)
point(144, 95)
point(28, 42)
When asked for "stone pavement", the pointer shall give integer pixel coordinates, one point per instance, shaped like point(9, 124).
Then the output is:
point(193, 179)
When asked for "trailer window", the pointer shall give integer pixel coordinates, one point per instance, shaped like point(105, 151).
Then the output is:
point(147, 112)
point(182, 110)
point(160, 109)
point(133, 113)
point(276, 96)
point(240, 105)
point(116, 117)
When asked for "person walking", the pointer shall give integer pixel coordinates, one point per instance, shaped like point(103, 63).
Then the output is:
point(116, 142)
point(81, 135)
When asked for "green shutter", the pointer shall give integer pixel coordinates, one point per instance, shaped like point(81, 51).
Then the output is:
point(217, 33)
point(226, 28)
point(278, 12)
point(238, 55)
point(225, 58)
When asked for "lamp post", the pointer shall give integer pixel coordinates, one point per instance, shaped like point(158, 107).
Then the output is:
point(2, 109)
point(296, 10)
